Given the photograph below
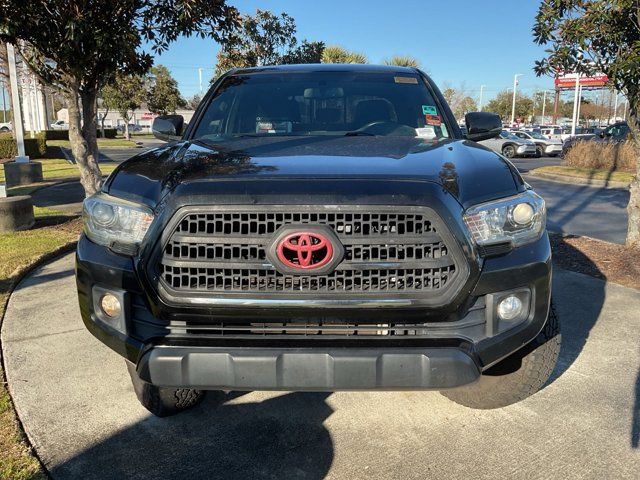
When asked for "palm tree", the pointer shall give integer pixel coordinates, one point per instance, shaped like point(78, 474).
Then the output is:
point(402, 61)
point(336, 54)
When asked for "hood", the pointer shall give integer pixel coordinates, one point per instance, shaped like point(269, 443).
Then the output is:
point(469, 172)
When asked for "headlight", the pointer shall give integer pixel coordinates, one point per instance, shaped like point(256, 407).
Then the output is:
point(519, 220)
point(115, 223)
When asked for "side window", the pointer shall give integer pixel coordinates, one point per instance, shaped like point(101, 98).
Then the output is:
point(521, 135)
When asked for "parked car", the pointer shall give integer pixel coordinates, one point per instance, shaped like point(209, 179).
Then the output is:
point(510, 145)
point(60, 125)
point(5, 126)
point(552, 132)
point(618, 132)
point(544, 146)
point(321, 227)
point(133, 127)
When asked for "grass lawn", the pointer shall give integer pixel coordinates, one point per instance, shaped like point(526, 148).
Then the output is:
point(18, 251)
point(102, 143)
point(590, 173)
point(54, 169)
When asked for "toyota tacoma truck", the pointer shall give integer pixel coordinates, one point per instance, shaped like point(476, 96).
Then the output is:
point(321, 228)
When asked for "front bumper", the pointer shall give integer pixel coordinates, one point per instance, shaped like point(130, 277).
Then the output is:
point(325, 369)
point(448, 352)
point(553, 149)
point(526, 150)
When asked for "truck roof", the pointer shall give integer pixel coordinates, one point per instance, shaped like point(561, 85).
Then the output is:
point(326, 67)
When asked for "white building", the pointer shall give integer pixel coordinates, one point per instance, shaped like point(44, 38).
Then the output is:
point(142, 118)
point(36, 115)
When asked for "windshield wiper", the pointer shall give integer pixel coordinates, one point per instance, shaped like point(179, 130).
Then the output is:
point(358, 133)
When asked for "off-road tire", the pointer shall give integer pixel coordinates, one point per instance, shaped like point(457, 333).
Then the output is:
point(163, 401)
point(516, 377)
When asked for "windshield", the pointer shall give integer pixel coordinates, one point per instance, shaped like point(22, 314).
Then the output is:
point(509, 135)
point(322, 103)
point(537, 135)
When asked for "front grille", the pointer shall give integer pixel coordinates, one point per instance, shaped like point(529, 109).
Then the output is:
point(387, 249)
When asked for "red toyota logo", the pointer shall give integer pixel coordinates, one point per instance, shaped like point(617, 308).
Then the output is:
point(305, 250)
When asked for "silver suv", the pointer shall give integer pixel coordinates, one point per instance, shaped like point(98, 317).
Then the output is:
point(510, 145)
point(544, 146)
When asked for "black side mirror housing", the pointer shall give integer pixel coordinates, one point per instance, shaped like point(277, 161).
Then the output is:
point(482, 126)
point(168, 128)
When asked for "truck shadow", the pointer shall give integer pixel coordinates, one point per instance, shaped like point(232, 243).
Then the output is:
point(280, 437)
point(578, 310)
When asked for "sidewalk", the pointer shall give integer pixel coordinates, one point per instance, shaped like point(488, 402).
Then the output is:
point(77, 405)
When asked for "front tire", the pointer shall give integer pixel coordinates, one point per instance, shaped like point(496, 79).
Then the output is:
point(518, 376)
point(539, 152)
point(163, 401)
point(509, 151)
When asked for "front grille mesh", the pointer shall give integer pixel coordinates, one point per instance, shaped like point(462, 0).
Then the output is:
point(225, 252)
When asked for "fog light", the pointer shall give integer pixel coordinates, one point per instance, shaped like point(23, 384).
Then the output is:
point(110, 305)
point(509, 308)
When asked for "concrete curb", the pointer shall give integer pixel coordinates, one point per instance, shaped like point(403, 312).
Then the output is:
point(18, 277)
point(611, 184)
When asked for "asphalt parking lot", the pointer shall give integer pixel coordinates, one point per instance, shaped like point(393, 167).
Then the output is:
point(77, 405)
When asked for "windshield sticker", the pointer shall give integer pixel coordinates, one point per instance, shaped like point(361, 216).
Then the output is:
point(433, 120)
point(445, 132)
point(272, 126)
point(428, 133)
point(429, 110)
point(410, 80)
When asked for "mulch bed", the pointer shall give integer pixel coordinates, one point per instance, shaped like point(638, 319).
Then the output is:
point(608, 261)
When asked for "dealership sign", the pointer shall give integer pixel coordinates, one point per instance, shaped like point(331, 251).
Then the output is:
point(569, 80)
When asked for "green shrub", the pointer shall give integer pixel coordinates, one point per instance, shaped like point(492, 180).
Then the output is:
point(64, 134)
point(108, 133)
point(34, 147)
point(56, 134)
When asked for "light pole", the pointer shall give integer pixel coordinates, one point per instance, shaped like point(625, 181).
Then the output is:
point(513, 105)
point(200, 78)
point(576, 103)
point(481, 92)
point(544, 105)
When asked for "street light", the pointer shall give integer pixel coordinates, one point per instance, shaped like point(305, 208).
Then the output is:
point(481, 91)
point(513, 105)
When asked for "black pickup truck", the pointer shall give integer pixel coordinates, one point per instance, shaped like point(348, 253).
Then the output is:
point(321, 227)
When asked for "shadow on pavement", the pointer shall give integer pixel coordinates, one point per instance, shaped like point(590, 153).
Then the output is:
point(48, 277)
point(282, 437)
point(578, 310)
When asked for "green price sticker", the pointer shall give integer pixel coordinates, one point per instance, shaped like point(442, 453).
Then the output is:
point(429, 110)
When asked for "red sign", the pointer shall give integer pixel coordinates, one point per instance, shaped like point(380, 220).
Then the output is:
point(305, 250)
point(148, 116)
point(569, 81)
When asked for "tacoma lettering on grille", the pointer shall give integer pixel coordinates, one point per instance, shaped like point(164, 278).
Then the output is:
point(385, 251)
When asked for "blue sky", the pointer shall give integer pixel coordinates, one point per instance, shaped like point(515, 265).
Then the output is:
point(458, 42)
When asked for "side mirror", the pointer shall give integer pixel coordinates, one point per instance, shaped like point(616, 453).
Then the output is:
point(482, 126)
point(168, 128)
